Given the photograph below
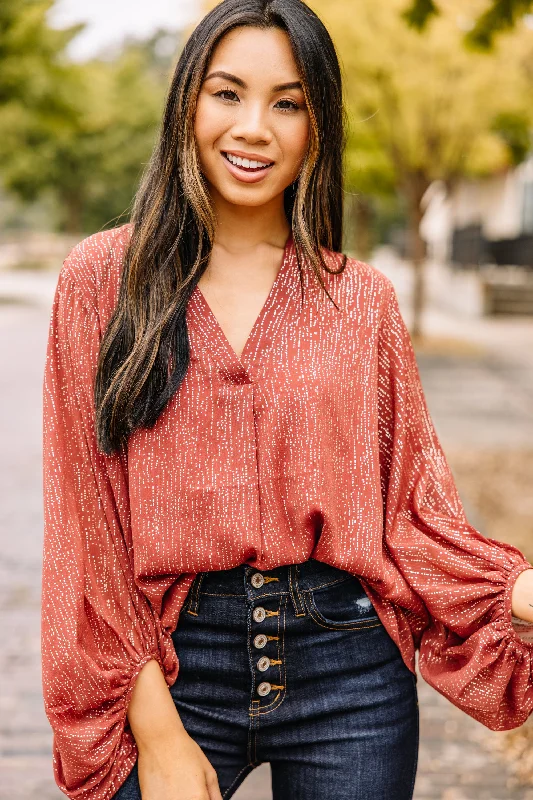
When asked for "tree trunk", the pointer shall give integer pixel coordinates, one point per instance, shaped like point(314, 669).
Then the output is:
point(73, 212)
point(363, 215)
point(415, 189)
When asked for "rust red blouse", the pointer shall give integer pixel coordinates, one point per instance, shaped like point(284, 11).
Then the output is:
point(316, 442)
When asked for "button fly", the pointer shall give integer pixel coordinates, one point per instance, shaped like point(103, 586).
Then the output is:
point(257, 580)
point(260, 640)
point(263, 663)
point(259, 614)
point(263, 688)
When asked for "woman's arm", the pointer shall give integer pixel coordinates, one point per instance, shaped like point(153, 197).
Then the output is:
point(522, 596)
point(152, 714)
point(170, 762)
point(99, 632)
point(470, 584)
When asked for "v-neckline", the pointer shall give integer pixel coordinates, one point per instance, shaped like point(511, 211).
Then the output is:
point(238, 364)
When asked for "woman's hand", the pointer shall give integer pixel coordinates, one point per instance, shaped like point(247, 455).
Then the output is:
point(522, 596)
point(176, 769)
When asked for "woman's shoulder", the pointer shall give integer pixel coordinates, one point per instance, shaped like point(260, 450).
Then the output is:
point(93, 266)
point(359, 283)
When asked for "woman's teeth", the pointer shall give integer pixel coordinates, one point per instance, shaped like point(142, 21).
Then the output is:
point(246, 163)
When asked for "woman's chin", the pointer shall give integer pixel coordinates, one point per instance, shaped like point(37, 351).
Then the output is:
point(244, 195)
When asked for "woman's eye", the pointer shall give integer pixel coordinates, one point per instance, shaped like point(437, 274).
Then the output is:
point(225, 91)
point(292, 105)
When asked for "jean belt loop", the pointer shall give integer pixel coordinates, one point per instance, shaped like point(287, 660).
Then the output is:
point(294, 590)
point(192, 603)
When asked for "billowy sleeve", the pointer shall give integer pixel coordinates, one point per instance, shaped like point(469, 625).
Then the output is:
point(97, 629)
point(471, 651)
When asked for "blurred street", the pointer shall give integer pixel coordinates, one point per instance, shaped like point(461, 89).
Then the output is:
point(478, 381)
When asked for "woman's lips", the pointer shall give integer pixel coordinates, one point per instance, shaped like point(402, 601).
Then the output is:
point(245, 175)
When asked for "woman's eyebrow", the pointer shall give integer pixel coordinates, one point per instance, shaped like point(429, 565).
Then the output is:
point(280, 87)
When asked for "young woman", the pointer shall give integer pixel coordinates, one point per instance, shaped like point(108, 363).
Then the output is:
point(246, 501)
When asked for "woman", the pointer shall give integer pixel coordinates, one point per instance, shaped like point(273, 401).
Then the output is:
point(245, 497)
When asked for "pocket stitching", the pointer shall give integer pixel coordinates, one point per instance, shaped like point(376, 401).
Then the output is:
point(315, 614)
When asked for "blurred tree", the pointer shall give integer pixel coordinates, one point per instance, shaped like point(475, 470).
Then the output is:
point(369, 185)
point(32, 72)
point(426, 108)
point(80, 132)
point(31, 58)
point(96, 158)
point(514, 128)
point(501, 15)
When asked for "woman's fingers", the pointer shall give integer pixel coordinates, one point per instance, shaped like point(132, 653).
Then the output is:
point(212, 786)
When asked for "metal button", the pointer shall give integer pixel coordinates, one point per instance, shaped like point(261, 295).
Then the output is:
point(260, 640)
point(263, 663)
point(263, 688)
point(259, 614)
point(257, 580)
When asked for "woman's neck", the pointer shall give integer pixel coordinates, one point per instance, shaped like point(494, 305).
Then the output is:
point(241, 229)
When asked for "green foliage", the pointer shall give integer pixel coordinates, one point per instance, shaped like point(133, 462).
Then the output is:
point(95, 161)
point(32, 74)
point(514, 129)
point(423, 107)
point(421, 11)
point(502, 15)
point(30, 55)
point(78, 132)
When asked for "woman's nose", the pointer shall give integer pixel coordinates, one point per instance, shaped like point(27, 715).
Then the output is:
point(252, 124)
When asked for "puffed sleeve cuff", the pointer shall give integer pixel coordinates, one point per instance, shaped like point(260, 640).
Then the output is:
point(489, 674)
point(165, 655)
point(104, 766)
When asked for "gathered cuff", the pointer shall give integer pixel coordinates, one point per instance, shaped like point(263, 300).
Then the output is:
point(107, 783)
point(127, 752)
point(487, 673)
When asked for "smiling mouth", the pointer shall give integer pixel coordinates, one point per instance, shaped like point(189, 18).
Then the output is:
point(247, 168)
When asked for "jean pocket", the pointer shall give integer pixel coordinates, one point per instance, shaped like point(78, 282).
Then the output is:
point(341, 605)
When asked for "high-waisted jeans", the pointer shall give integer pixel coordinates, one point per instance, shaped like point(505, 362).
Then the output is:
point(292, 666)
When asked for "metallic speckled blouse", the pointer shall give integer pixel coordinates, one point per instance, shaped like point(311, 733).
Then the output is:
point(316, 442)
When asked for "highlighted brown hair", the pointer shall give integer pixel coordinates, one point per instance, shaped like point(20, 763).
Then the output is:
point(144, 353)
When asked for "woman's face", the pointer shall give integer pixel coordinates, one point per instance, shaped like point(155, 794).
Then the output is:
point(251, 105)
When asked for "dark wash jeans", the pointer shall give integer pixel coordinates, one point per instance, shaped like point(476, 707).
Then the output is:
point(292, 666)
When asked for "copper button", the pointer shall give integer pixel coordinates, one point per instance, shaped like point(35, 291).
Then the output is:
point(257, 580)
point(259, 614)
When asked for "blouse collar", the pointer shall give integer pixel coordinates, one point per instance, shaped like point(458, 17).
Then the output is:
point(208, 341)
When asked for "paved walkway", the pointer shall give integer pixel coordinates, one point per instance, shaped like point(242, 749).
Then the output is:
point(479, 399)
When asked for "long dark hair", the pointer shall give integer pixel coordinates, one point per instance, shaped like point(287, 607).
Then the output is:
point(144, 353)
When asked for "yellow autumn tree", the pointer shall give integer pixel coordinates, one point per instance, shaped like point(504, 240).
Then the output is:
point(430, 105)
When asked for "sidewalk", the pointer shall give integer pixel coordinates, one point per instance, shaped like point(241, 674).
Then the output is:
point(476, 396)
point(477, 372)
